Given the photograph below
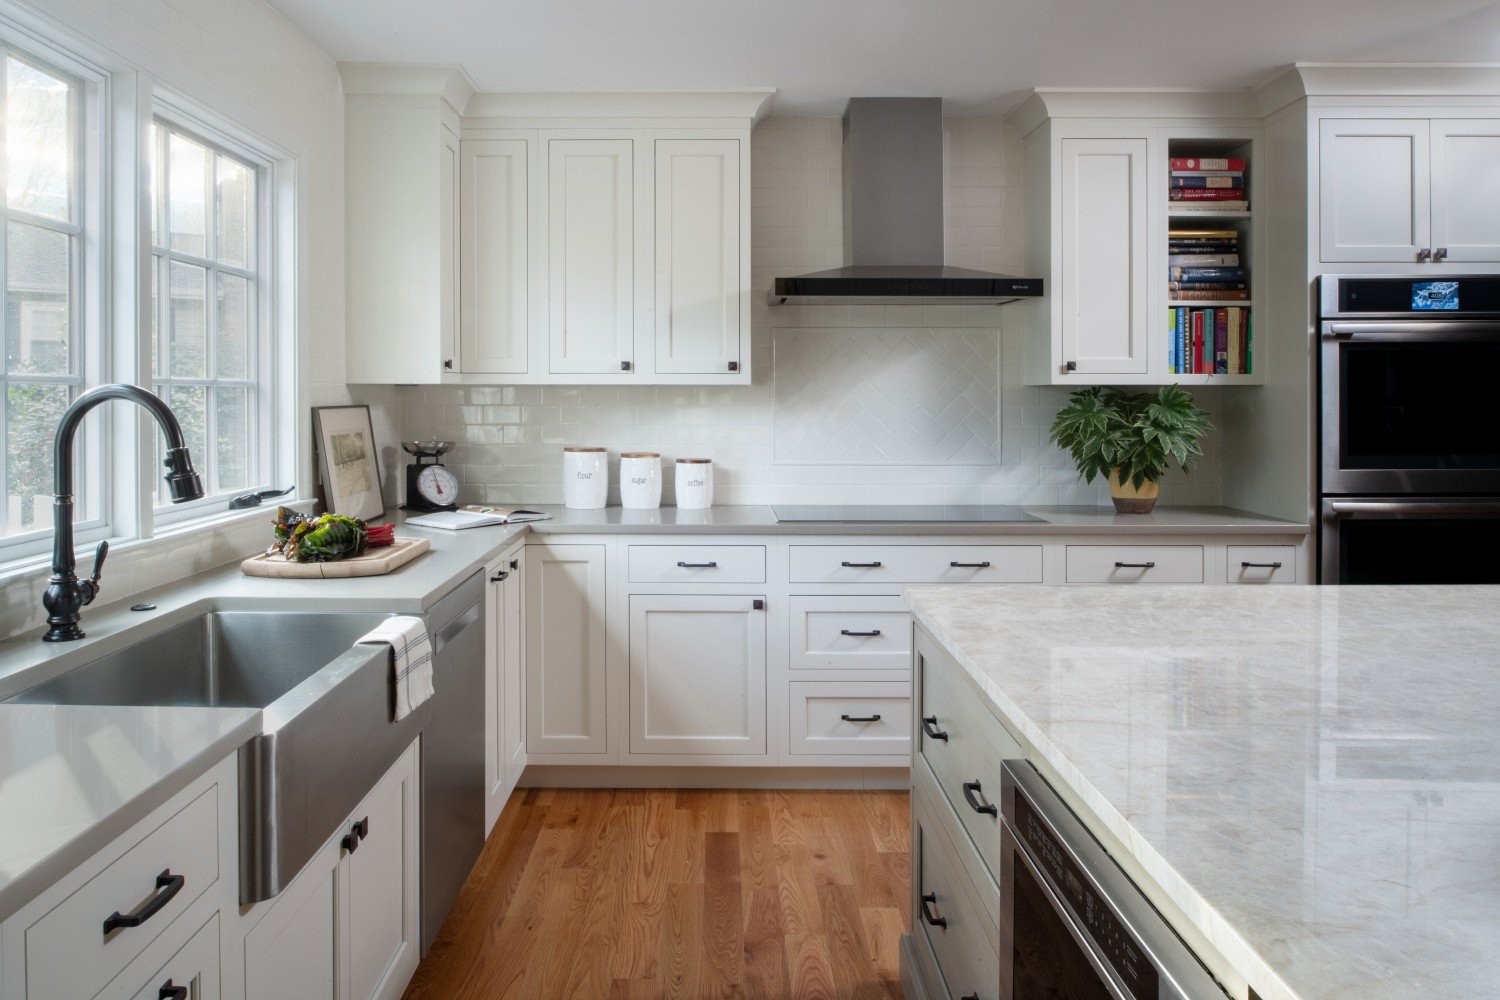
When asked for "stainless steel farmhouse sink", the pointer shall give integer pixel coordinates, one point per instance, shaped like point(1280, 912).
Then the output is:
point(326, 734)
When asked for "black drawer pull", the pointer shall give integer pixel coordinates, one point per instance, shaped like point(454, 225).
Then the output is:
point(500, 577)
point(167, 886)
point(358, 832)
point(969, 996)
point(860, 718)
point(980, 565)
point(931, 897)
point(860, 635)
point(169, 991)
point(1126, 565)
point(1251, 565)
point(971, 787)
point(688, 565)
point(868, 565)
point(929, 726)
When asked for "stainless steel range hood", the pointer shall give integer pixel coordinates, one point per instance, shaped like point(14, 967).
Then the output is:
point(893, 217)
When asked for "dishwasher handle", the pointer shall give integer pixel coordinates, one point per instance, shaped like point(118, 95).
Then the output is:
point(457, 626)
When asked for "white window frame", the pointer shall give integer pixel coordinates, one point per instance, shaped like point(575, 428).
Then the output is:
point(94, 474)
point(179, 115)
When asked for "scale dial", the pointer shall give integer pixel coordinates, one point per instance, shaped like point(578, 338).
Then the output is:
point(438, 486)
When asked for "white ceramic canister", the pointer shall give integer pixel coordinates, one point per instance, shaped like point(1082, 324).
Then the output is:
point(695, 483)
point(640, 480)
point(585, 478)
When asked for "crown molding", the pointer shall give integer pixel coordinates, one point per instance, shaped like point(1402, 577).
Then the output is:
point(1311, 79)
point(1043, 103)
point(748, 104)
point(451, 83)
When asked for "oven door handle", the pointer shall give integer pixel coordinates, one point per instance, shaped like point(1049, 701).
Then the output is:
point(1458, 508)
point(1417, 330)
point(1105, 974)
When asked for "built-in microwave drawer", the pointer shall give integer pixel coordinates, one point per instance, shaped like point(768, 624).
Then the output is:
point(849, 633)
point(944, 913)
point(1261, 564)
point(1135, 564)
point(850, 717)
point(915, 563)
point(697, 563)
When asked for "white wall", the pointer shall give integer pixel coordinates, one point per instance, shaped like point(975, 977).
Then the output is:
point(856, 404)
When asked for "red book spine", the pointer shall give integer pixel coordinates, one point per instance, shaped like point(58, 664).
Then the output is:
point(1208, 163)
point(1207, 194)
point(1197, 342)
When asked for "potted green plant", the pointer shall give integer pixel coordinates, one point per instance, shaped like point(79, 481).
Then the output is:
point(1131, 438)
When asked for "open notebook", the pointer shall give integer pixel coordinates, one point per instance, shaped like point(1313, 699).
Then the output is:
point(476, 517)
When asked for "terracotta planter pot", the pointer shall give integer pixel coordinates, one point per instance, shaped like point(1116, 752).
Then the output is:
point(1130, 500)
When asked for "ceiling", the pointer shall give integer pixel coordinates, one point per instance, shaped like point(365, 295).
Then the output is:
point(978, 54)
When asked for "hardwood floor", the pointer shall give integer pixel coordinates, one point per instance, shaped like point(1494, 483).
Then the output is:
point(642, 894)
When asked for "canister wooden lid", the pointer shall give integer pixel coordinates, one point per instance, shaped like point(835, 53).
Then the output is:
point(585, 449)
point(640, 454)
point(695, 461)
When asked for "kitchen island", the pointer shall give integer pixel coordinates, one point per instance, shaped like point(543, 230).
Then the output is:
point(1303, 779)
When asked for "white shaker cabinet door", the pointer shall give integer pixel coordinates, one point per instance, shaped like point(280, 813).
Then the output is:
point(381, 912)
point(293, 951)
point(697, 674)
point(1104, 240)
point(699, 278)
point(504, 715)
point(1466, 189)
point(566, 680)
point(1373, 190)
point(497, 187)
point(591, 250)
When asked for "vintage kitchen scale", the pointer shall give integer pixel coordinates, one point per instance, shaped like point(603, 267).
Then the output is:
point(430, 485)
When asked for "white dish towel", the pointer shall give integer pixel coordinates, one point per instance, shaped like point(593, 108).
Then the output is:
point(411, 659)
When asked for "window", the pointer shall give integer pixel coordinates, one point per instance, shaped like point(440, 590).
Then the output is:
point(207, 328)
point(40, 257)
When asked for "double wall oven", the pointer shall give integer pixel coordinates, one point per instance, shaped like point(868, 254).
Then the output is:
point(1409, 382)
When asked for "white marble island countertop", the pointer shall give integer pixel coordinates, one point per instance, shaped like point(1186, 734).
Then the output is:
point(1310, 775)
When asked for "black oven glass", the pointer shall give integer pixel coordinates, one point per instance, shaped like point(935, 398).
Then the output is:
point(1418, 405)
point(1048, 964)
point(1419, 550)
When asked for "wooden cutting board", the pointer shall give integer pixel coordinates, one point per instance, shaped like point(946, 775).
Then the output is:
point(375, 562)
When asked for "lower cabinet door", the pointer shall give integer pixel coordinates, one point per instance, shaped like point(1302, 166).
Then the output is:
point(381, 909)
point(194, 969)
point(292, 951)
point(566, 683)
point(697, 674)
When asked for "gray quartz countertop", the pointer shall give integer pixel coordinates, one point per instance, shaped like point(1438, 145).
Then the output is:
point(72, 778)
point(1311, 775)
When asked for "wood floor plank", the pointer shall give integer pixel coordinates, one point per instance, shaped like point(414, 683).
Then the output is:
point(694, 894)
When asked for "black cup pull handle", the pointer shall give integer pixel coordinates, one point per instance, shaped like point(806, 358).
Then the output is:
point(929, 726)
point(860, 718)
point(927, 915)
point(1255, 565)
point(860, 635)
point(970, 788)
point(501, 576)
point(1126, 565)
point(167, 886)
point(855, 565)
point(171, 991)
point(969, 996)
point(707, 565)
point(964, 565)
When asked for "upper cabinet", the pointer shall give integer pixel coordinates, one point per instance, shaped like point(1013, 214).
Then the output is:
point(545, 238)
point(1408, 190)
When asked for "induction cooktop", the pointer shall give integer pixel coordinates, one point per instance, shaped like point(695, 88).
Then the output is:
point(914, 514)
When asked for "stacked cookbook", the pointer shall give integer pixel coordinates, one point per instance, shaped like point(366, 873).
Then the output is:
point(1208, 184)
point(1210, 333)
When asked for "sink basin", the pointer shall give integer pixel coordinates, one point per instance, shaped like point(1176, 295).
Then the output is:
point(326, 731)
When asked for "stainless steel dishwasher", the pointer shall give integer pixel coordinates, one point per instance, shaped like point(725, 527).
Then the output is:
point(453, 752)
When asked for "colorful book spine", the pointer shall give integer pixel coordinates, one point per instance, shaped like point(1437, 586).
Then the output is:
point(1203, 260)
point(1207, 194)
point(1207, 163)
point(1221, 342)
point(1206, 286)
point(1209, 181)
point(1211, 295)
point(1236, 340)
point(1206, 273)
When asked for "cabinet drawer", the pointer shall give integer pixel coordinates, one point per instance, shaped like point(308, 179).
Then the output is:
point(194, 966)
point(964, 745)
point(943, 909)
point(841, 717)
point(1135, 564)
point(850, 633)
point(915, 563)
point(67, 952)
point(1261, 564)
point(697, 564)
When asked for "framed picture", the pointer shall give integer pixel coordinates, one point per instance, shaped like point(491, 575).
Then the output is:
point(345, 443)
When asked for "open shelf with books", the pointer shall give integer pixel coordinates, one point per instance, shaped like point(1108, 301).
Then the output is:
point(1211, 270)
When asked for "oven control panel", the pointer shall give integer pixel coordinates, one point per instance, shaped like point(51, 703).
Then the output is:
point(1109, 934)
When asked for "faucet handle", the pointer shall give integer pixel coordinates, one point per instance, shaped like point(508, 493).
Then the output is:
point(93, 580)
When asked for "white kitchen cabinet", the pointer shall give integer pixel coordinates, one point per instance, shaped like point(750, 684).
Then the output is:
point(566, 650)
point(195, 968)
point(500, 206)
point(702, 311)
point(591, 232)
point(1374, 190)
point(504, 715)
point(401, 169)
point(347, 925)
point(697, 674)
point(1101, 258)
point(1466, 189)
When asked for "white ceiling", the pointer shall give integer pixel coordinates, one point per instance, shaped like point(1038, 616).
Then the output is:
point(979, 54)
